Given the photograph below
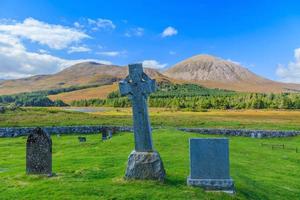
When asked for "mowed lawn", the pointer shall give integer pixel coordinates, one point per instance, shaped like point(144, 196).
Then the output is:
point(95, 169)
point(241, 119)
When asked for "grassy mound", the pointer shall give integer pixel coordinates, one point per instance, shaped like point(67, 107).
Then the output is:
point(95, 169)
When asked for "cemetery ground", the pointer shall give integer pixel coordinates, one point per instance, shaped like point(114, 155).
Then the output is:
point(95, 169)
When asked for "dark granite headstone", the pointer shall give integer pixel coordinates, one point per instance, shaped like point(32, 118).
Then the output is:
point(209, 164)
point(82, 139)
point(39, 153)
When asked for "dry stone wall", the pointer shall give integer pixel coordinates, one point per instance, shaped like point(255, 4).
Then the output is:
point(24, 131)
point(242, 132)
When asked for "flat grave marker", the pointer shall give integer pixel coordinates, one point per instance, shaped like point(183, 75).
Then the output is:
point(209, 165)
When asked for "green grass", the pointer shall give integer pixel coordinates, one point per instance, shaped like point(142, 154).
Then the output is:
point(95, 169)
point(249, 119)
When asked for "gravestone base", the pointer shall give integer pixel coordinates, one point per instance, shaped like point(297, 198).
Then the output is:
point(217, 185)
point(145, 165)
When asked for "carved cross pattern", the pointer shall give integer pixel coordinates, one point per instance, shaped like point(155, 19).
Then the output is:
point(138, 86)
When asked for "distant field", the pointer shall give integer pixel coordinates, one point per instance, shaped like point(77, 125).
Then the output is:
point(89, 93)
point(249, 119)
point(95, 169)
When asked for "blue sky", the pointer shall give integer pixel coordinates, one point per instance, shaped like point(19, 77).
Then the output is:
point(39, 37)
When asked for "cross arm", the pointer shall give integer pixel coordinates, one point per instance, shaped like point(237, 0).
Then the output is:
point(124, 87)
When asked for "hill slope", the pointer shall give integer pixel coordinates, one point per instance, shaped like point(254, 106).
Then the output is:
point(214, 72)
point(87, 73)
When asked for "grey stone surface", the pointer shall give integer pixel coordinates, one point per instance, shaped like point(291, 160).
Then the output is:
point(23, 131)
point(104, 135)
point(209, 164)
point(39, 153)
point(145, 165)
point(242, 132)
point(138, 86)
point(144, 162)
point(2, 109)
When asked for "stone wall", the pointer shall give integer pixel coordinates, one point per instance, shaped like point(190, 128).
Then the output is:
point(242, 132)
point(23, 131)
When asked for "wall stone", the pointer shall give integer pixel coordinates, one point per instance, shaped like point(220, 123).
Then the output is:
point(242, 132)
point(24, 131)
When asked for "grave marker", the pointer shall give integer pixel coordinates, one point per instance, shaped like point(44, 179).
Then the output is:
point(209, 165)
point(39, 153)
point(82, 139)
point(144, 162)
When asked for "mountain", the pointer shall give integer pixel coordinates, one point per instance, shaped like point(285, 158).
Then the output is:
point(205, 70)
point(215, 72)
point(82, 74)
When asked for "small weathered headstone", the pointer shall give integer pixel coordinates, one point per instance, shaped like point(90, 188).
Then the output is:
point(144, 162)
point(39, 153)
point(104, 134)
point(82, 139)
point(209, 165)
point(2, 109)
point(110, 133)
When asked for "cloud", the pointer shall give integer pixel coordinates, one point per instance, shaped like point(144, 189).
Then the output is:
point(135, 32)
point(78, 25)
point(234, 62)
point(111, 53)
point(153, 64)
point(169, 31)
point(17, 62)
point(43, 51)
point(172, 52)
point(77, 49)
point(53, 36)
point(101, 24)
point(290, 73)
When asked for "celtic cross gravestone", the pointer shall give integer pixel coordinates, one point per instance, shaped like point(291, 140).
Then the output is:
point(144, 162)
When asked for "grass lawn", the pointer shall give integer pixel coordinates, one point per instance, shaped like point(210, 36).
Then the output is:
point(250, 119)
point(95, 169)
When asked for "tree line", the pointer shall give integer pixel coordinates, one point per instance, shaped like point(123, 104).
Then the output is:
point(196, 98)
point(39, 98)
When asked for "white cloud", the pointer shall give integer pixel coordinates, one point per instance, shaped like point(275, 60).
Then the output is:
point(101, 24)
point(111, 53)
point(43, 51)
point(17, 62)
point(78, 25)
point(234, 62)
point(135, 32)
point(169, 31)
point(290, 73)
point(54, 36)
point(153, 64)
point(77, 49)
point(172, 52)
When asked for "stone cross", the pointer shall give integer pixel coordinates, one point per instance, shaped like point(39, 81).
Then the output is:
point(138, 86)
point(144, 162)
point(39, 153)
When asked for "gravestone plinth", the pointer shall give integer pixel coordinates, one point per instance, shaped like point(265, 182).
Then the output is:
point(144, 162)
point(209, 165)
point(145, 165)
point(39, 153)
